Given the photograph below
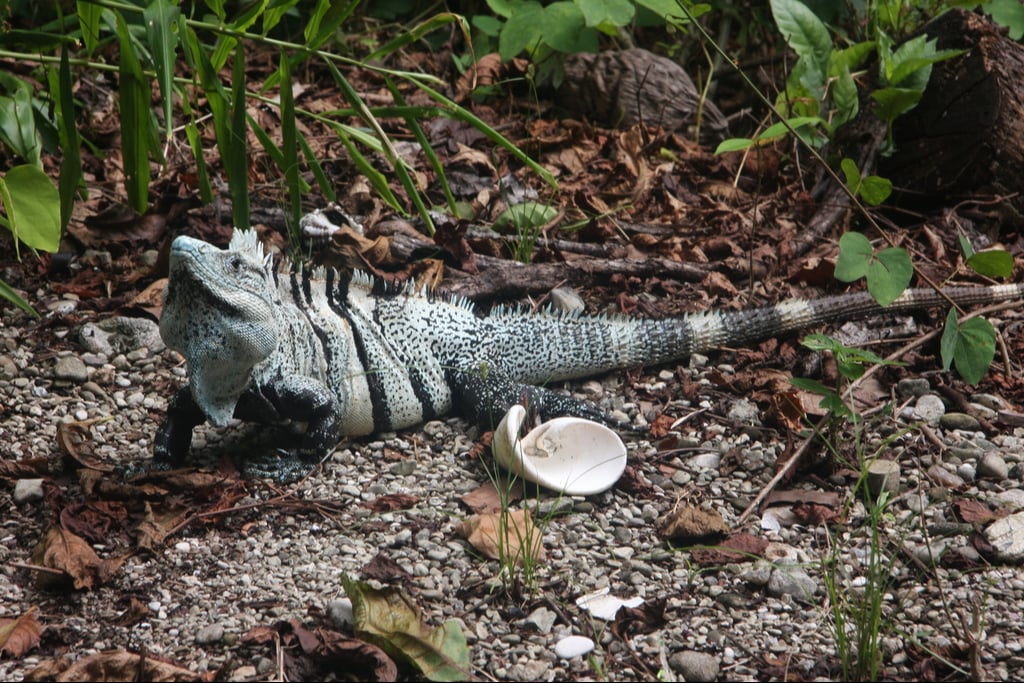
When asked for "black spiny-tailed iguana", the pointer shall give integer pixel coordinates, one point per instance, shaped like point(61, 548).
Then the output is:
point(350, 355)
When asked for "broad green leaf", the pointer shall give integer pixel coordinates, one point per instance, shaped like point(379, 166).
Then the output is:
point(134, 97)
point(32, 203)
point(889, 273)
point(18, 124)
point(563, 24)
point(734, 145)
point(161, 19)
point(992, 263)
point(670, 9)
point(970, 346)
point(1008, 13)
point(894, 101)
point(71, 176)
point(89, 21)
point(520, 31)
point(525, 216)
point(874, 189)
point(7, 292)
point(778, 130)
point(391, 620)
point(855, 254)
point(852, 174)
point(803, 31)
point(850, 58)
point(845, 98)
point(603, 13)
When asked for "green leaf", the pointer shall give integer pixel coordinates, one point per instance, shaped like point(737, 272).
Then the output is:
point(18, 123)
point(7, 292)
point(275, 12)
point(669, 9)
point(290, 147)
point(850, 58)
point(971, 346)
point(1008, 13)
point(161, 19)
point(779, 130)
point(563, 24)
point(855, 254)
point(32, 203)
point(874, 189)
point(326, 18)
point(992, 263)
point(889, 273)
point(520, 31)
point(845, 98)
point(71, 176)
point(391, 620)
point(134, 97)
point(89, 21)
point(525, 216)
point(734, 145)
point(895, 101)
point(600, 13)
point(852, 173)
point(965, 246)
point(803, 31)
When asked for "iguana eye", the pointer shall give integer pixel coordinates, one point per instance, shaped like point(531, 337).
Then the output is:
point(236, 263)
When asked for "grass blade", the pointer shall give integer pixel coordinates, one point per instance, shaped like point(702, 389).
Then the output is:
point(291, 149)
point(134, 99)
point(71, 177)
point(161, 20)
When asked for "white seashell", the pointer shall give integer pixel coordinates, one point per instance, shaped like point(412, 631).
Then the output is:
point(569, 454)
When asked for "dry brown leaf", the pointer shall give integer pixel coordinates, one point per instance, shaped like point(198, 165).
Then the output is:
point(740, 547)
point(392, 501)
point(486, 498)
point(502, 536)
point(113, 666)
point(74, 558)
point(690, 523)
point(18, 636)
point(159, 521)
point(75, 440)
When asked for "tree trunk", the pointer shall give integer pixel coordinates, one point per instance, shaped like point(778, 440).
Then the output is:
point(965, 139)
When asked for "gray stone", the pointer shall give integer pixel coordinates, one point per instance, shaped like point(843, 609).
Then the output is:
point(541, 619)
point(121, 334)
point(745, 411)
point(1006, 536)
point(573, 646)
point(962, 421)
point(791, 581)
point(70, 369)
point(695, 666)
point(566, 299)
point(912, 387)
point(208, 635)
point(992, 466)
point(929, 408)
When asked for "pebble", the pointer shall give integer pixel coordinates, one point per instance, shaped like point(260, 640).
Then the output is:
point(929, 408)
point(792, 581)
point(993, 466)
point(574, 646)
point(961, 421)
point(541, 619)
point(70, 369)
point(695, 667)
point(27, 491)
point(209, 635)
point(340, 613)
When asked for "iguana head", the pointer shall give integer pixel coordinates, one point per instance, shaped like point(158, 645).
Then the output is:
point(220, 312)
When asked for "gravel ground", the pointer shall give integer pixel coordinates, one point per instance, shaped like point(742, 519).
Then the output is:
point(194, 597)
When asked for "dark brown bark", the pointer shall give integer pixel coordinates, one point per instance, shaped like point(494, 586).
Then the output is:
point(965, 139)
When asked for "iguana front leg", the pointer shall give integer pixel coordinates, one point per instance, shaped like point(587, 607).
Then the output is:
point(174, 437)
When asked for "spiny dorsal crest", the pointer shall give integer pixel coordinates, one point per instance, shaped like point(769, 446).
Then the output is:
point(248, 243)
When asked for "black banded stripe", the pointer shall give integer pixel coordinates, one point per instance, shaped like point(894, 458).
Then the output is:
point(337, 300)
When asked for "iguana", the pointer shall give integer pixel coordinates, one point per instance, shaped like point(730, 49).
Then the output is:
point(350, 355)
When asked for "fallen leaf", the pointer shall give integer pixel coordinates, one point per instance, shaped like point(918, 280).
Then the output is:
point(692, 524)
point(391, 620)
point(18, 636)
point(740, 547)
point(115, 666)
point(383, 568)
point(75, 440)
point(391, 502)
point(159, 521)
point(73, 558)
point(503, 536)
point(974, 511)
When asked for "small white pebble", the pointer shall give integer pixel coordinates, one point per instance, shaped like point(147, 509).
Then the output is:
point(573, 646)
point(183, 547)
